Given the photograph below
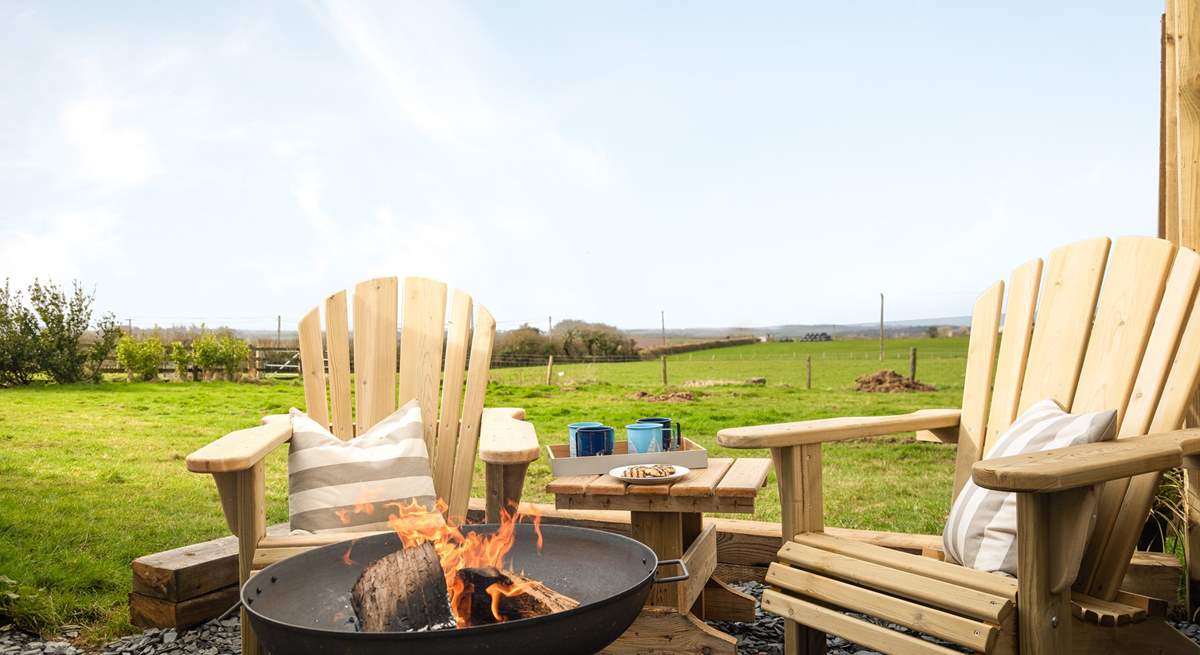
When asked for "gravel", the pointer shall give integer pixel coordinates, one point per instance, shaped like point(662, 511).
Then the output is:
point(220, 637)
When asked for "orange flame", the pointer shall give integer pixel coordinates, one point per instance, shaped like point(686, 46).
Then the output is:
point(497, 591)
point(456, 550)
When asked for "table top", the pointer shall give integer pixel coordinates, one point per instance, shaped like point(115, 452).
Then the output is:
point(726, 485)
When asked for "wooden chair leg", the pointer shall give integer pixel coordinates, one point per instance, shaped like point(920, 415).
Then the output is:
point(1191, 505)
point(798, 472)
point(503, 484)
point(1051, 531)
point(252, 527)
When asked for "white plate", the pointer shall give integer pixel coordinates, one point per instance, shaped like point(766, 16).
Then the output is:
point(619, 473)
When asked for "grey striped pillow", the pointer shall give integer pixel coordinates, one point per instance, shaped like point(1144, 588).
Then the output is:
point(981, 531)
point(336, 485)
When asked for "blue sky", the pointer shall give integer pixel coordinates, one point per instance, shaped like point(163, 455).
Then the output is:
point(729, 163)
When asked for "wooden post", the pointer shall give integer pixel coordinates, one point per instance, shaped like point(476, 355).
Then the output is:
point(912, 364)
point(549, 368)
point(1044, 613)
point(881, 327)
point(798, 473)
point(252, 527)
point(502, 486)
point(808, 372)
point(1180, 201)
point(664, 364)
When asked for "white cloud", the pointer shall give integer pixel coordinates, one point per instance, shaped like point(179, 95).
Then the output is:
point(107, 146)
point(63, 246)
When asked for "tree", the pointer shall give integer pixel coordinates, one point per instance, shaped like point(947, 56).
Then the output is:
point(63, 321)
point(108, 333)
point(523, 342)
point(932, 332)
point(182, 357)
point(206, 354)
point(581, 339)
point(233, 353)
point(18, 339)
point(141, 358)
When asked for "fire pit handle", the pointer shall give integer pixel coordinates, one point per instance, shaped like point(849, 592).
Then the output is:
point(674, 578)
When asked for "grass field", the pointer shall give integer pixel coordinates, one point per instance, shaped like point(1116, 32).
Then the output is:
point(92, 476)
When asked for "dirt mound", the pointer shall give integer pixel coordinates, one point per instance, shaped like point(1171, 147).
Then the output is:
point(889, 381)
point(673, 397)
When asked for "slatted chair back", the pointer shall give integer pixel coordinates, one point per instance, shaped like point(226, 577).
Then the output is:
point(383, 379)
point(1110, 326)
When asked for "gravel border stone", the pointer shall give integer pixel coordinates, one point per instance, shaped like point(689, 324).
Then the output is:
point(221, 637)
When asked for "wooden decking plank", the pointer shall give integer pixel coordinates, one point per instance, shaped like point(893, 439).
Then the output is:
point(744, 478)
point(702, 482)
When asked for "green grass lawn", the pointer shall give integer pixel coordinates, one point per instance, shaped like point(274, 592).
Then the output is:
point(92, 476)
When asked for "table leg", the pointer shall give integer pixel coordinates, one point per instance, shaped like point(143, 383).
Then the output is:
point(692, 524)
point(663, 533)
point(724, 603)
point(664, 627)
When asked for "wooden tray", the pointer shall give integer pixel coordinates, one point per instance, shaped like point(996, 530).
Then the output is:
point(692, 455)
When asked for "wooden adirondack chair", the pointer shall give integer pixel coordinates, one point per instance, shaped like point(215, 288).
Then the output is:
point(506, 444)
point(1132, 344)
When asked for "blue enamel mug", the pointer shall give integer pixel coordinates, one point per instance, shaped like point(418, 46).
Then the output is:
point(571, 428)
point(672, 431)
point(644, 437)
point(594, 440)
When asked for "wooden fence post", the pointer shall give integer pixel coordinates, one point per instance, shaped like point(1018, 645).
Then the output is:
point(912, 364)
point(808, 372)
point(664, 364)
point(549, 368)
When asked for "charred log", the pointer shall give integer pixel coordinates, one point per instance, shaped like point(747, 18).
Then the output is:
point(403, 591)
point(513, 596)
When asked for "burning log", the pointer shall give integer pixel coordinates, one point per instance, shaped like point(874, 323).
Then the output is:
point(491, 596)
point(403, 591)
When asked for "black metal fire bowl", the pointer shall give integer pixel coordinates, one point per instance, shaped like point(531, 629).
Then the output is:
point(301, 605)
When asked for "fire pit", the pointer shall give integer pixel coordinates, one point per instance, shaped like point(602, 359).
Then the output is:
point(303, 605)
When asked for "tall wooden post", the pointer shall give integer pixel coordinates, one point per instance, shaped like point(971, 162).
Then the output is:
point(549, 368)
point(912, 364)
point(808, 372)
point(881, 327)
point(1179, 184)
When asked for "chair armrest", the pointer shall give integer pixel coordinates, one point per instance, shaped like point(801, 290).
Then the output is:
point(505, 438)
point(835, 429)
point(240, 450)
point(1088, 464)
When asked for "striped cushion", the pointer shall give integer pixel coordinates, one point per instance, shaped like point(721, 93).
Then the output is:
point(336, 485)
point(981, 531)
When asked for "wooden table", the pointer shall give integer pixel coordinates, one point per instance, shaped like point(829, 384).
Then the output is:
point(669, 519)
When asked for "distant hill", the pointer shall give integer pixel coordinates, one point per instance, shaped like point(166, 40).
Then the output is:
point(846, 331)
point(647, 337)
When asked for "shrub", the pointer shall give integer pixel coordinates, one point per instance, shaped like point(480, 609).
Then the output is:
point(206, 353)
point(108, 332)
point(63, 322)
point(18, 339)
point(582, 339)
point(182, 357)
point(140, 358)
point(233, 353)
point(525, 342)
